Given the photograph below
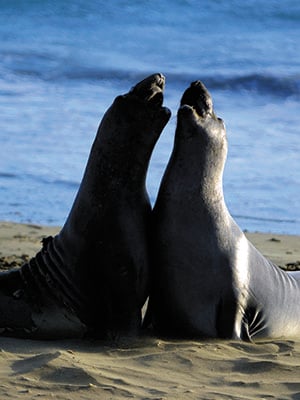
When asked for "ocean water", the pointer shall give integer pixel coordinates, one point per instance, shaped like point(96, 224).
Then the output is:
point(62, 63)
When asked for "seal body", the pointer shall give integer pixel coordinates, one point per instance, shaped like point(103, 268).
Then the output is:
point(208, 280)
point(93, 276)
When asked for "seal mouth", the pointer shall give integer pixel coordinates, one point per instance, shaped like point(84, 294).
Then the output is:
point(150, 90)
point(198, 98)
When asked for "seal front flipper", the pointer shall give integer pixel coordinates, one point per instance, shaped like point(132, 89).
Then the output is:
point(93, 276)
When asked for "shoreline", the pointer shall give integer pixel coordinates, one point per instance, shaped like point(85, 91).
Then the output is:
point(19, 242)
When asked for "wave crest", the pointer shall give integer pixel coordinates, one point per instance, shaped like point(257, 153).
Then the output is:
point(259, 83)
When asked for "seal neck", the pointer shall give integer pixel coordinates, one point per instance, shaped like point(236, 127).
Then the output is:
point(193, 171)
point(122, 166)
point(124, 143)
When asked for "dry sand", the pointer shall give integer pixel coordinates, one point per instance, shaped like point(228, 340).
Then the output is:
point(149, 368)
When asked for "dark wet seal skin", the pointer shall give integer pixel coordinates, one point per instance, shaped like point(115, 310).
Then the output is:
point(208, 280)
point(93, 277)
point(198, 98)
point(153, 93)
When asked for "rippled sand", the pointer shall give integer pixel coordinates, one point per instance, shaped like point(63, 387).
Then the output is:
point(149, 368)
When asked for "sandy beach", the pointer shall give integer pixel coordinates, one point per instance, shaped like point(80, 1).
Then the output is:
point(149, 368)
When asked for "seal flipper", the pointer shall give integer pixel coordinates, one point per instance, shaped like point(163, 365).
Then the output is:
point(93, 276)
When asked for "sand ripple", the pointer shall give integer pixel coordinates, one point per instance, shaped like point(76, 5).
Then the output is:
point(150, 369)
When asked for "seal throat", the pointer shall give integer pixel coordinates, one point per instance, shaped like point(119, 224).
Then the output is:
point(44, 274)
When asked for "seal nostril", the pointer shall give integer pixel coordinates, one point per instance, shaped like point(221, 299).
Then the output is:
point(197, 83)
point(198, 97)
point(160, 81)
point(150, 89)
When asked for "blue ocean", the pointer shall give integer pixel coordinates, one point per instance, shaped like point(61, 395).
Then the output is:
point(63, 62)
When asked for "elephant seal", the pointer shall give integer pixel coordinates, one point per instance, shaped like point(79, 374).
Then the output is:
point(93, 277)
point(208, 280)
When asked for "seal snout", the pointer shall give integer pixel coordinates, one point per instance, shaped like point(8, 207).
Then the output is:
point(197, 97)
point(151, 89)
point(160, 80)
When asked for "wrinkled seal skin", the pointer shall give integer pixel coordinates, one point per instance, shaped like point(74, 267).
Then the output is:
point(93, 277)
point(208, 280)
